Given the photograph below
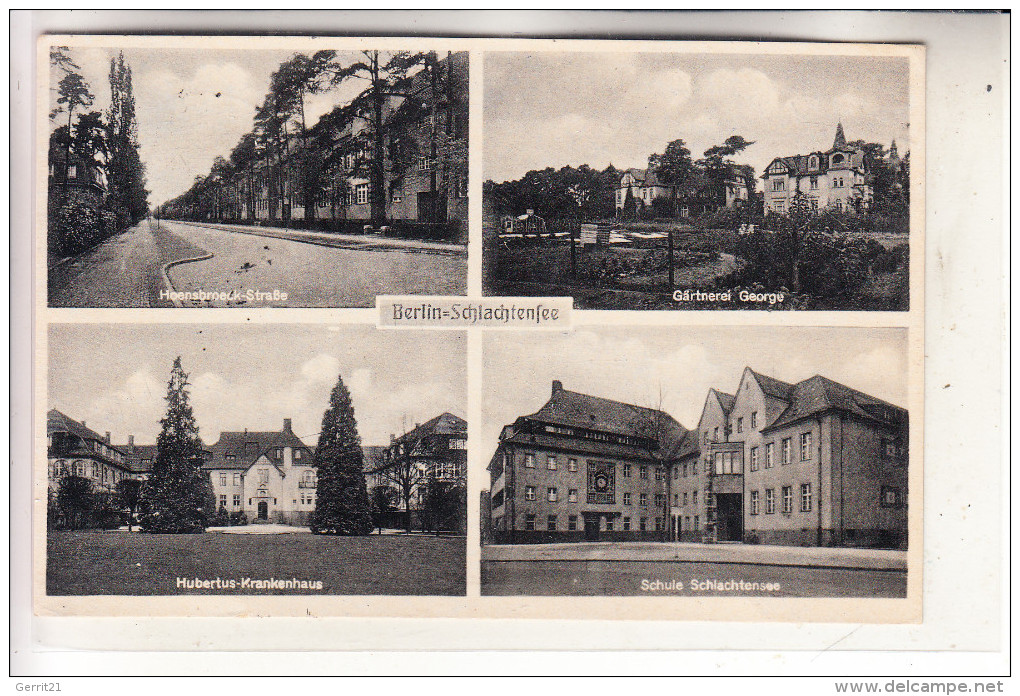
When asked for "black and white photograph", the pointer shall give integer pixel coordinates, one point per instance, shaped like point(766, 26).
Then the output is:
point(189, 175)
point(697, 462)
point(254, 460)
point(756, 181)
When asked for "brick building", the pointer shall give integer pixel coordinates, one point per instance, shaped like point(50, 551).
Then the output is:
point(73, 449)
point(582, 467)
point(812, 463)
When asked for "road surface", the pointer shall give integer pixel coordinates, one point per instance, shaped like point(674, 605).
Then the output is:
point(624, 578)
point(246, 270)
point(253, 270)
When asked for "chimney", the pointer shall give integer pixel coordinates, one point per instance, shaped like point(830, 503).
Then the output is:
point(106, 438)
point(393, 439)
point(131, 440)
point(286, 425)
point(417, 425)
point(557, 386)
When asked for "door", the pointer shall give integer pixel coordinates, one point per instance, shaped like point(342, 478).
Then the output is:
point(730, 516)
point(591, 527)
point(431, 207)
point(263, 510)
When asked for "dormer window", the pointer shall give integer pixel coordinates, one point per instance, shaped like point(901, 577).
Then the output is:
point(837, 159)
point(812, 162)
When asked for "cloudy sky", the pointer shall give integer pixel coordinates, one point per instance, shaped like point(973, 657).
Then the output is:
point(192, 105)
point(113, 376)
point(631, 365)
point(555, 109)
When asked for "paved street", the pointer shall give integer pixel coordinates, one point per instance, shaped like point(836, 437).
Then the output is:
point(311, 275)
point(123, 271)
point(624, 578)
point(126, 270)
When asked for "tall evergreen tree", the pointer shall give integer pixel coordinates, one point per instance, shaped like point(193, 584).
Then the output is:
point(126, 171)
point(341, 504)
point(178, 491)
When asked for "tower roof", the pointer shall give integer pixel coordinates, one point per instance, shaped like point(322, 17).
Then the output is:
point(840, 142)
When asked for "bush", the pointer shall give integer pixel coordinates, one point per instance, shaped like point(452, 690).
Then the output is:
point(77, 225)
point(238, 518)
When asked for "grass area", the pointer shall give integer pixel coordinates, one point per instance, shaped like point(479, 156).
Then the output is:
point(122, 563)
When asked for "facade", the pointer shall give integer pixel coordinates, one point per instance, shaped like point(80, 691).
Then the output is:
point(582, 468)
point(322, 180)
point(268, 475)
point(72, 449)
point(431, 452)
point(835, 178)
point(644, 187)
point(814, 463)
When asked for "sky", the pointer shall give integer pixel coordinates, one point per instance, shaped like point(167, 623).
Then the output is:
point(114, 376)
point(558, 109)
point(632, 364)
point(192, 105)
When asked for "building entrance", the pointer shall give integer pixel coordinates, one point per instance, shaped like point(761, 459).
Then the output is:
point(591, 527)
point(730, 516)
point(263, 510)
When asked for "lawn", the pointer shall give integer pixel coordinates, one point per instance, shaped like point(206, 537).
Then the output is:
point(121, 563)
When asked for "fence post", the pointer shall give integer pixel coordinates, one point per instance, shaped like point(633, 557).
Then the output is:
point(573, 250)
point(669, 256)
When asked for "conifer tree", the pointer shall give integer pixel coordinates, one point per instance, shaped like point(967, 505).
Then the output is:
point(126, 171)
point(341, 503)
point(178, 491)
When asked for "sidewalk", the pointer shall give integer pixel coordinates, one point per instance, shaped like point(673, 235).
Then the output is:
point(636, 551)
point(366, 242)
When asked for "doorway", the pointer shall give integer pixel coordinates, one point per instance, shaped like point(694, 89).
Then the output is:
point(729, 513)
point(263, 510)
point(591, 527)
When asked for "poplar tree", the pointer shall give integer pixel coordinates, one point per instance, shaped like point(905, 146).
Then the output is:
point(341, 502)
point(126, 171)
point(178, 491)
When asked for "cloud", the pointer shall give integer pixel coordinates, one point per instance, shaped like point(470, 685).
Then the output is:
point(321, 369)
point(136, 406)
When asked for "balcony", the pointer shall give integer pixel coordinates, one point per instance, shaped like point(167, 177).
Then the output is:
point(306, 484)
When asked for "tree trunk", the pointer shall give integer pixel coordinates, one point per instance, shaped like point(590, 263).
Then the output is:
point(377, 187)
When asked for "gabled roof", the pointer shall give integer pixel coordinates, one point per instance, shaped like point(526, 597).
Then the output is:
point(57, 422)
point(247, 446)
point(373, 457)
point(818, 394)
point(443, 424)
point(596, 413)
point(643, 177)
point(772, 386)
point(725, 400)
point(136, 454)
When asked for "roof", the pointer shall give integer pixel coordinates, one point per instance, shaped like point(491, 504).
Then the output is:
point(443, 424)
point(135, 454)
point(372, 456)
point(57, 422)
point(596, 413)
point(644, 177)
point(772, 386)
point(578, 445)
point(725, 400)
point(818, 394)
point(687, 446)
point(247, 446)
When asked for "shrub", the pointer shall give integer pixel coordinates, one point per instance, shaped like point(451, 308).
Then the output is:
point(77, 224)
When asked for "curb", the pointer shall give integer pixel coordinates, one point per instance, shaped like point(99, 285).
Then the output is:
point(166, 276)
point(332, 244)
point(879, 569)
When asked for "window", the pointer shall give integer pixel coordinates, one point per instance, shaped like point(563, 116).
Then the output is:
point(550, 463)
point(572, 523)
point(676, 499)
point(770, 501)
point(72, 172)
point(424, 164)
point(694, 497)
point(626, 524)
point(715, 434)
point(610, 525)
point(813, 164)
point(770, 455)
point(550, 495)
point(676, 473)
point(237, 479)
point(658, 473)
point(685, 498)
point(805, 497)
point(755, 503)
point(626, 470)
point(728, 463)
point(571, 465)
point(626, 498)
point(805, 446)
point(529, 492)
point(458, 443)
point(643, 472)
point(754, 419)
point(643, 523)
point(814, 182)
point(529, 460)
point(237, 500)
point(891, 497)
point(787, 499)
point(778, 185)
point(263, 475)
point(658, 524)
point(740, 425)
point(694, 468)
point(837, 159)
point(361, 194)
point(223, 479)
point(572, 495)
point(786, 450)
point(837, 182)
point(643, 500)
point(396, 194)
point(754, 459)
point(461, 185)
point(696, 523)
point(660, 499)
point(529, 523)
point(550, 523)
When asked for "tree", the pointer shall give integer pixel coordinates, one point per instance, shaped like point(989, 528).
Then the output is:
point(75, 500)
point(444, 506)
point(126, 171)
point(178, 491)
point(72, 93)
point(674, 169)
point(406, 475)
point(382, 502)
point(129, 491)
point(720, 168)
point(386, 79)
point(341, 505)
